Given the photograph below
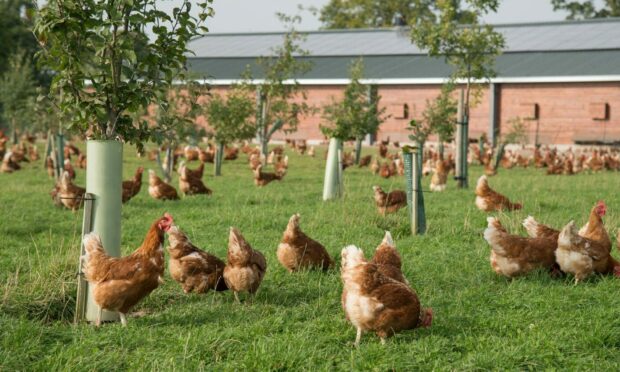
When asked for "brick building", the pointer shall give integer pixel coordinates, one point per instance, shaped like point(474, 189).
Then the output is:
point(561, 78)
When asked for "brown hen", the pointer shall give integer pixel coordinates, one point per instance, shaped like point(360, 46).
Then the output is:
point(375, 302)
point(245, 268)
point(489, 200)
point(196, 270)
point(120, 283)
point(298, 251)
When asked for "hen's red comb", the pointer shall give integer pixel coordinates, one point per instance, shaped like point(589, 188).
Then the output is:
point(168, 217)
point(601, 208)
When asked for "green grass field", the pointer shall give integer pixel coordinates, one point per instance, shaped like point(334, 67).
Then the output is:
point(482, 321)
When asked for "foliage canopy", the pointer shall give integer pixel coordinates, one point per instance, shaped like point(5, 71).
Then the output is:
point(357, 114)
point(587, 9)
point(346, 14)
point(108, 67)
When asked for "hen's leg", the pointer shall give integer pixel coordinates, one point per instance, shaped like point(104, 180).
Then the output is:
point(358, 337)
point(382, 340)
point(123, 319)
point(99, 314)
point(236, 296)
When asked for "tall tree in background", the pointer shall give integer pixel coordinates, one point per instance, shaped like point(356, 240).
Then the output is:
point(345, 14)
point(18, 92)
point(17, 41)
point(277, 109)
point(587, 9)
point(16, 20)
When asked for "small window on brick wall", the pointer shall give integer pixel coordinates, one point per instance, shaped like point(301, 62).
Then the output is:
point(399, 111)
point(529, 111)
point(599, 111)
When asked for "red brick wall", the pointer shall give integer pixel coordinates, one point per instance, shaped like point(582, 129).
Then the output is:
point(565, 111)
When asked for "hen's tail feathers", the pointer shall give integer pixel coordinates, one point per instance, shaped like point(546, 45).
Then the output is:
point(351, 256)
point(584, 229)
point(481, 185)
point(531, 226)
point(567, 235)
point(493, 232)
point(387, 239)
point(92, 244)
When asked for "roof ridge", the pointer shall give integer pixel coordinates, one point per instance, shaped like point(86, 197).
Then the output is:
point(396, 29)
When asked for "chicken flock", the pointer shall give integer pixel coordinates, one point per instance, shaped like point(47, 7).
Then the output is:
point(376, 296)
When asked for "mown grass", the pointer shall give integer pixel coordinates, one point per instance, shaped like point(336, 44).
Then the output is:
point(482, 321)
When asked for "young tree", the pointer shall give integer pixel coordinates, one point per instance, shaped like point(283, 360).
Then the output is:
point(357, 114)
point(587, 9)
point(441, 114)
point(470, 50)
point(277, 109)
point(230, 119)
point(111, 59)
point(18, 92)
point(107, 65)
point(353, 117)
point(439, 117)
point(178, 117)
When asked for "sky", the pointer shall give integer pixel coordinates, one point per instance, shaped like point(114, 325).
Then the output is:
point(259, 15)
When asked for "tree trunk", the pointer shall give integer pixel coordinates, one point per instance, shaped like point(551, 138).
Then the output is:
point(169, 164)
point(420, 154)
point(104, 181)
point(331, 183)
point(219, 156)
point(14, 132)
point(440, 149)
point(264, 147)
point(358, 150)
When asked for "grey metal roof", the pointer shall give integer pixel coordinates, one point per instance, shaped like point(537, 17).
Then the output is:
point(534, 37)
point(558, 49)
point(535, 64)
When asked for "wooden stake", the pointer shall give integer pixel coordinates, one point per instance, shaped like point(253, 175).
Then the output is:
point(82, 285)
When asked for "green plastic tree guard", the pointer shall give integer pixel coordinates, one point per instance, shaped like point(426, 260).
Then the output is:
point(104, 182)
point(331, 184)
point(462, 143)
